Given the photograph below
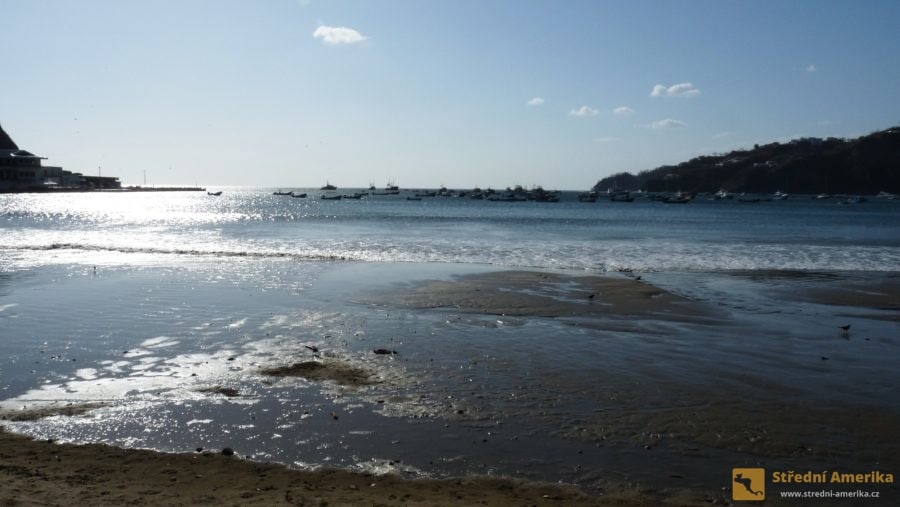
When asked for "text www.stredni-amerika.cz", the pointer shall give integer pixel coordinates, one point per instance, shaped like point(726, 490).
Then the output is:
point(830, 493)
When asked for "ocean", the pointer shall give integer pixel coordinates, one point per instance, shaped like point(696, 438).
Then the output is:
point(146, 306)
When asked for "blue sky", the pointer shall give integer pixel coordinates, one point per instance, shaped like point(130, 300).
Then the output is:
point(425, 93)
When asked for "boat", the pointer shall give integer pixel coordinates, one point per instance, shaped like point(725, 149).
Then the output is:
point(331, 197)
point(779, 196)
point(886, 195)
point(282, 193)
point(413, 198)
point(677, 198)
point(621, 197)
point(298, 196)
point(214, 193)
point(357, 195)
point(615, 191)
point(328, 186)
point(538, 194)
point(587, 196)
point(722, 194)
point(389, 189)
point(748, 199)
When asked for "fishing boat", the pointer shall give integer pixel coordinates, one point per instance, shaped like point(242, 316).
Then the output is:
point(677, 198)
point(587, 196)
point(298, 196)
point(328, 186)
point(214, 193)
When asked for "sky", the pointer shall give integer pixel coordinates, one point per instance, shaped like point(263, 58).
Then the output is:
point(423, 93)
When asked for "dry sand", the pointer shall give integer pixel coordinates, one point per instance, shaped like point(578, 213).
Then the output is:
point(44, 473)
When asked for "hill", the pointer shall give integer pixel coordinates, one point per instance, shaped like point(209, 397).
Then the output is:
point(865, 165)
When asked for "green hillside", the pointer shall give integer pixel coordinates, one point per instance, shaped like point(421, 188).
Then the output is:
point(866, 165)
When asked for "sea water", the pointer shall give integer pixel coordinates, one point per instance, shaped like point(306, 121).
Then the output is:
point(137, 300)
point(799, 233)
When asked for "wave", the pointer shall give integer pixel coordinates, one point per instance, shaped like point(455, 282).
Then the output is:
point(175, 251)
point(619, 256)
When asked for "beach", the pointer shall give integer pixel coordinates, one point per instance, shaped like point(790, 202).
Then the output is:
point(467, 411)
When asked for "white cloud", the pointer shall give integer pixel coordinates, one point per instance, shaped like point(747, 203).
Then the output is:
point(668, 123)
point(609, 139)
point(338, 35)
point(676, 90)
point(810, 68)
point(658, 91)
point(583, 111)
point(623, 111)
point(536, 101)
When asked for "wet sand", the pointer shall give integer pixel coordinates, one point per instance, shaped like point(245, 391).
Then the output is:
point(543, 294)
point(881, 295)
point(766, 423)
point(341, 373)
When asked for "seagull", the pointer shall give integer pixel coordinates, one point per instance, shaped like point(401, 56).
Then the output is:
point(312, 348)
point(845, 328)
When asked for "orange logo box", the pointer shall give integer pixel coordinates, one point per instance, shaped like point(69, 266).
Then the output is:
point(748, 484)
